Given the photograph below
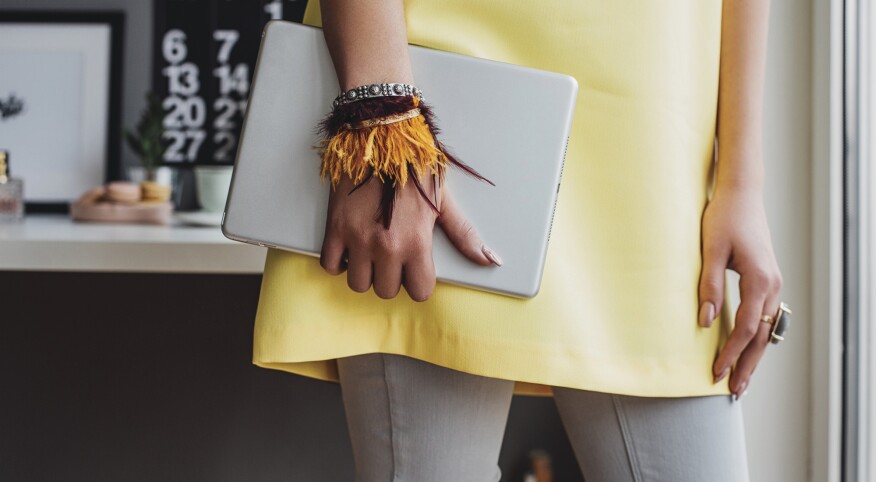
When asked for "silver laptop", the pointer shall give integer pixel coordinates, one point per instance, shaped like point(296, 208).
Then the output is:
point(508, 122)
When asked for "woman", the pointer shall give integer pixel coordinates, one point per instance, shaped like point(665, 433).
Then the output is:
point(630, 332)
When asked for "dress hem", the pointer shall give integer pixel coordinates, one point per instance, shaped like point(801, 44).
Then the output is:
point(326, 370)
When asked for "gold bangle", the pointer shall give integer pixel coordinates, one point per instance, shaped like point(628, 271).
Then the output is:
point(379, 121)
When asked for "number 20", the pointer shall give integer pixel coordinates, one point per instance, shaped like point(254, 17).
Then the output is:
point(189, 112)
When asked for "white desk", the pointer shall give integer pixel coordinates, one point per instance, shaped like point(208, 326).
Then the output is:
point(53, 242)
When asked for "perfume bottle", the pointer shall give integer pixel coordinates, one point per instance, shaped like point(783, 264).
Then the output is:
point(11, 193)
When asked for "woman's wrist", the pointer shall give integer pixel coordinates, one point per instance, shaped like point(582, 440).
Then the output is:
point(739, 167)
point(367, 40)
point(740, 182)
point(366, 77)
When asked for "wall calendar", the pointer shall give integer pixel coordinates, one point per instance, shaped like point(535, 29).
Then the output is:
point(204, 54)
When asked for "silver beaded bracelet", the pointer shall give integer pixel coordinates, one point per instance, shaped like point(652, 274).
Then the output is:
point(376, 90)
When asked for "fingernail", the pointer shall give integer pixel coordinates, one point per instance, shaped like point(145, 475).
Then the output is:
point(493, 257)
point(707, 314)
point(742, 390)
point(722, 375)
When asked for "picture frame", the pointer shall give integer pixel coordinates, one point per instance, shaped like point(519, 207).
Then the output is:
point(60, 102)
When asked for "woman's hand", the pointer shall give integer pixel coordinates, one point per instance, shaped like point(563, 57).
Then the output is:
point(357, 242)
point(736, 236)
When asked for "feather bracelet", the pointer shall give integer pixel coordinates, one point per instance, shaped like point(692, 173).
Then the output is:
point(392, 138)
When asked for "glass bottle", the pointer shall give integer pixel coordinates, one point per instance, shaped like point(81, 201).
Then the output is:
point(11, 193)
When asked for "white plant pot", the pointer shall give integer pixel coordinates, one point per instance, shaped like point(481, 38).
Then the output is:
point(212, 184)
point(163, 175)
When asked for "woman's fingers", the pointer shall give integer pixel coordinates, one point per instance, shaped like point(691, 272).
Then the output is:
point(419, 276)
point(736, 236)
point(331, 258)
point(750, 358)
point(387, 277)
point(359, 270)
point(463, 234)
point(388, 258)
point(752, 354)
point(753, 289)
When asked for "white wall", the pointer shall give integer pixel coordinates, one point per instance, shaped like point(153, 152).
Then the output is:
point(826, 203)
point(777, 406)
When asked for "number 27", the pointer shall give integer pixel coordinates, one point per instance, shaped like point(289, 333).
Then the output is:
point(178, 141)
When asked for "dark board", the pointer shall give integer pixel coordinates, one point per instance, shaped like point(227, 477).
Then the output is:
point(142, 377)
point(204, 53)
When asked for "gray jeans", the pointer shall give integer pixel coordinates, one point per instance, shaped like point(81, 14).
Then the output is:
point(414, 421)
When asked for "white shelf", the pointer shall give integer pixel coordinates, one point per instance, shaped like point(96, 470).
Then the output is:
point(53, 242)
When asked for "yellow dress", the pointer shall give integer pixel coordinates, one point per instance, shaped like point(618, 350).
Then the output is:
point(617, 310)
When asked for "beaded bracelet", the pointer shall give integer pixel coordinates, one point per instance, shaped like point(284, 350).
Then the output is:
point(391, 137)
point(385, 89)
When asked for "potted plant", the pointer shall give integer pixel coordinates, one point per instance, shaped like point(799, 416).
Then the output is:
point(147, 141)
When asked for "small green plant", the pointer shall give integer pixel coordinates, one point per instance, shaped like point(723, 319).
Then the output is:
point(148, 141)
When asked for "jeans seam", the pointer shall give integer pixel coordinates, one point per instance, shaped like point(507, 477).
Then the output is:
point(389, 404)
point(627, 438)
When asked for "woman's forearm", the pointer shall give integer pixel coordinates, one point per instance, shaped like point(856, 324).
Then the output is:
point(744, 27)
point(367, 40)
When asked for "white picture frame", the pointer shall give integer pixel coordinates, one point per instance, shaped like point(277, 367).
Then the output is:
point(59, 102)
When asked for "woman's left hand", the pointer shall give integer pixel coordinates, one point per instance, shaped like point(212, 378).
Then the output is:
point(735, 236)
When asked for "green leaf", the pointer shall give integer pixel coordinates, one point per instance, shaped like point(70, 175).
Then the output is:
point(133, 143)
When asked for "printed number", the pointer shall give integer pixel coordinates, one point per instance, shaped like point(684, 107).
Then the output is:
point(178, 141)
point(226, 108)
point(182, 79)
point(228, 38)
point(197, 138)
point(275, 9)
point(223, 152)
point(174, 46)
point(231, 81)
point(191, 112)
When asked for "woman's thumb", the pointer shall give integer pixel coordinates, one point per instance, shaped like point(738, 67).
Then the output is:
point(463, 235)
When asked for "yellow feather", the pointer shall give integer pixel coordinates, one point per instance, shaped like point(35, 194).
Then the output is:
point(386, 149)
